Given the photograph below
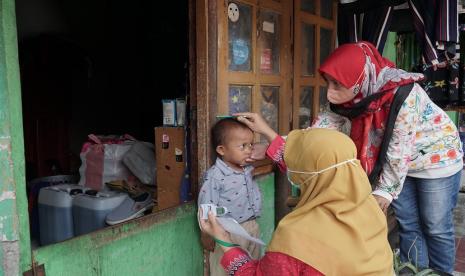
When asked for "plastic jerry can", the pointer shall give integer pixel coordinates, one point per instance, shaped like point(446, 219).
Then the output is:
point(55, 212)
point(90, 209)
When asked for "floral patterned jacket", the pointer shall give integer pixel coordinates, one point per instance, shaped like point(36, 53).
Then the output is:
point(424, 138)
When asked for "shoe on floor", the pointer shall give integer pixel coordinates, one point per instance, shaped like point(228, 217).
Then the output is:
point(130, 208)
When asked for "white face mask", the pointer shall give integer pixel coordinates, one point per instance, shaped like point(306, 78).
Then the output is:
point(313, 174)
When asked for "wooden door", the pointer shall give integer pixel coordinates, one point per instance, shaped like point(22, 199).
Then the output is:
point(314, 40)
point(254, 59)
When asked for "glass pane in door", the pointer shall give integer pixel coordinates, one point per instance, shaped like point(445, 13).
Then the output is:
point(240, 98)
point(269, 40)
point(324, 104)
point(240, 36)
point(308, 50)
point(326, 9)
point(305, 106)
point(325, 43)
point(269, 106)
point(308, 6)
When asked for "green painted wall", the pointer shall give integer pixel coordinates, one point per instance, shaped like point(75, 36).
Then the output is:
point(15, 252)
point(267, 220)
point(166, 243)
point(453, 116)
point(162, 244)
point(389, 50)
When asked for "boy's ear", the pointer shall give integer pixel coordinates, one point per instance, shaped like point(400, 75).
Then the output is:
point(220, 150)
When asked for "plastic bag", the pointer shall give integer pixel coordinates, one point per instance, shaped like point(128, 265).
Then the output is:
point(140, 160)
point(102, 160)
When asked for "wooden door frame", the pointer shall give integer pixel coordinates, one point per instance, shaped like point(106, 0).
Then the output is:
point(315, 81)
point(206, 81)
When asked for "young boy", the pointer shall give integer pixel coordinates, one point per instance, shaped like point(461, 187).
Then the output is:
point(228, 183)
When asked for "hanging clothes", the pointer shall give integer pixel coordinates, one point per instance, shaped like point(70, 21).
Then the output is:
point(365, 20)
point(461, 56)
point(436, 24)
point(408, 54)
point(442, 82)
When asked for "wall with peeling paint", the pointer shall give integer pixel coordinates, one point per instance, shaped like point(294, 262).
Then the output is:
point(15, 251)
point(166, 243)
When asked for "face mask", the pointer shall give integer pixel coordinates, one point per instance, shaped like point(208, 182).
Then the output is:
point(313, 174)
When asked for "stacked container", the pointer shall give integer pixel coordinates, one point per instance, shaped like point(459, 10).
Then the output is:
point(90, 209)
point(55, 212)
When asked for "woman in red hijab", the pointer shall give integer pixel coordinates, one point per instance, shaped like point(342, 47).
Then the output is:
point(407, 145)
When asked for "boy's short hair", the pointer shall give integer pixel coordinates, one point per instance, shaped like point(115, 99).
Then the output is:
point(221, 128)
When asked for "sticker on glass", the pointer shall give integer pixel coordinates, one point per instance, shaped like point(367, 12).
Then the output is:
point(240, 51)
point(233, 12)
point(268, 27)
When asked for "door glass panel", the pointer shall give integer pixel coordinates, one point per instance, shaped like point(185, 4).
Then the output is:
point(269, 106)
point(326, 9)
point(308, 50)
point(269, 42)
point(240, 36)
point(324, 104)
point(308, 5)
point(240, 98)
point(305, 107)
point(325, 44)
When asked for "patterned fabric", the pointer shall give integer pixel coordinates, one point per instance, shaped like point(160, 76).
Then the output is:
point(376, 79)
point(424, 138)
point(436, 25)
point(442, 82)
point(238, 263)
point(275, 152)
point(234, 190)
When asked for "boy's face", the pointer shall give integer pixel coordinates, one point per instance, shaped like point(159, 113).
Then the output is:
point(237, 148)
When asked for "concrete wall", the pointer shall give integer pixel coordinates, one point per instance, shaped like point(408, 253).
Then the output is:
point(163, 244)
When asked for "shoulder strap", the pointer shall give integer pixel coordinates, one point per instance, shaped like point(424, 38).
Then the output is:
point(399, 98)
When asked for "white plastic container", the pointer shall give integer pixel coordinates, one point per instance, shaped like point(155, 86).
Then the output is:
point(55, 212)
point(90, 211)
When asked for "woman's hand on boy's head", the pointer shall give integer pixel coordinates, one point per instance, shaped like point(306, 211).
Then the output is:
point(253, 120)
point(256, 123)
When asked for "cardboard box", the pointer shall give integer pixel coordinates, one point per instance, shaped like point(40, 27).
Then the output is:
point(170, 156)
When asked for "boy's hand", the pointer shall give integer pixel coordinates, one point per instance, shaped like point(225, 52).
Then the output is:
point(207, 242)
point(258, 152)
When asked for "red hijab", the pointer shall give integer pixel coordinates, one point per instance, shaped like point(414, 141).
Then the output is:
point(360, 67)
